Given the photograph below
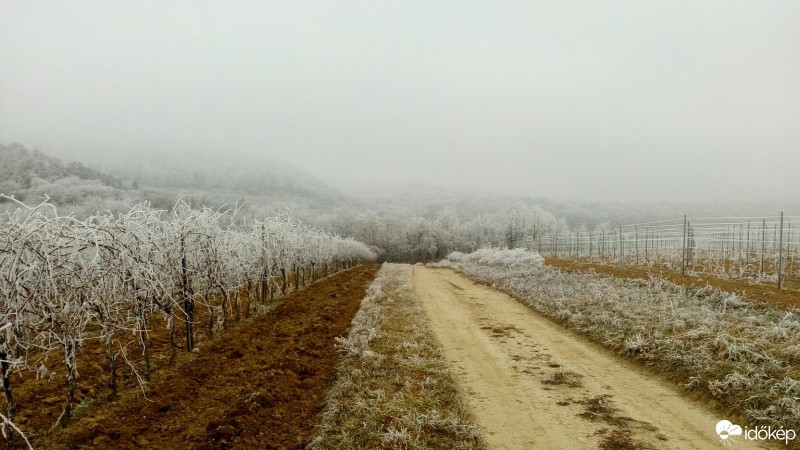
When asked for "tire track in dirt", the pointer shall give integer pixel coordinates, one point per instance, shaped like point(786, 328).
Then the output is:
point(533, 384)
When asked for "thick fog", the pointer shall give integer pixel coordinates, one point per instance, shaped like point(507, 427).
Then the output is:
point(629, 100)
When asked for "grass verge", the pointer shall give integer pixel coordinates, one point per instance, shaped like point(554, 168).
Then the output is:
point(393, 388)
point(765, 291)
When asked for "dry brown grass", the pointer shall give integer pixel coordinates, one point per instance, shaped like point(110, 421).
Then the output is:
point(767, 292)
point(393, 388)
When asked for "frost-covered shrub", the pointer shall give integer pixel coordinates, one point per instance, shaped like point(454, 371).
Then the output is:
point(503, 257)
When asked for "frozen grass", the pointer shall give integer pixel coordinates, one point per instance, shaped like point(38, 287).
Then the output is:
point(744, 355)
point(393, 388)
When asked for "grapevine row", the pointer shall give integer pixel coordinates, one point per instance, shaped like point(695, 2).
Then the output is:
point(64, 281)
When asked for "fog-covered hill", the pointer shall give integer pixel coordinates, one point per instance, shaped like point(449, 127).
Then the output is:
point(20, 168)
point(408, 222)
point(429, 200)
point(90, 182)
point(33, 176)
point(255, 175)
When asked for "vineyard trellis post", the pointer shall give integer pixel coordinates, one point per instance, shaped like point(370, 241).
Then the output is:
point(780, 253)
point(763, 247)
point(621, 247)
point(603, 245)
point(614, 247)
point(265, 266)
point(11, 409)
point(554, 245)
point(683, 250)
point(741, 232)
point(747, 252)
point(188, 301)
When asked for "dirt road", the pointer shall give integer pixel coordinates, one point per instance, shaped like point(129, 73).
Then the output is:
point(533, 384)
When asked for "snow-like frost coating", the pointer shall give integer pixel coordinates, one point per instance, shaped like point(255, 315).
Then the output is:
point(505, 257)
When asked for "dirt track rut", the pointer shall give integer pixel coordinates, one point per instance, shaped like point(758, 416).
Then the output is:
point(533, 384)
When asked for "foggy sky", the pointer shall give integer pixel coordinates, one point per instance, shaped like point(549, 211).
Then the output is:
point(629, 100)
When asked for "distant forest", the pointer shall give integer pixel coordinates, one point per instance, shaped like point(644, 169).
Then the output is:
point(21, 168)
point(30, 175)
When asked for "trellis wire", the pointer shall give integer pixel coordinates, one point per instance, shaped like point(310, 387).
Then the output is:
point(753, 248)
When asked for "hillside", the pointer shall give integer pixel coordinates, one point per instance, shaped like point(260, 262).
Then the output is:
point(20, 168)
point(32, 175)
point(254, 175)
point(108, 181)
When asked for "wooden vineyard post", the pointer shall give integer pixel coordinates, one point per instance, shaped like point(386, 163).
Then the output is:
point(780, 253)
point(789, 251)
point(747, 251)
point(614, 247)
point(603, 245)
point(188, 301)
point(636, 236)
point(683, 251)
point(554, 245)
point(741, 228)
point(263, 292)
point(621, 247)
point(763, 248)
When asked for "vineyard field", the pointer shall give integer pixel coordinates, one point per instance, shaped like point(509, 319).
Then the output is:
point(259, 384)
point(106, 281)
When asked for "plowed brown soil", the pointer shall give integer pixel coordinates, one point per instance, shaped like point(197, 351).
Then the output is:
point(786, 298)
point(259, 385)
point(41, 399)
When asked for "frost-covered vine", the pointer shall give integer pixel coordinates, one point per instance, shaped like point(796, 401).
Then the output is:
point(64, 281)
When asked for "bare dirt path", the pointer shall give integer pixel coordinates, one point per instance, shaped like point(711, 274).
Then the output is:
point(533, 384)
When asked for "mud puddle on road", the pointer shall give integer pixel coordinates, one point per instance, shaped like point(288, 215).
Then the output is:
point(533, 384)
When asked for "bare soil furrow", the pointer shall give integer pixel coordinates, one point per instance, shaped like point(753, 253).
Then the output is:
point(260, 385)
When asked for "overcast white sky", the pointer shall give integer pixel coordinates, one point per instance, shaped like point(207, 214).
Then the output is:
point(624, 100)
